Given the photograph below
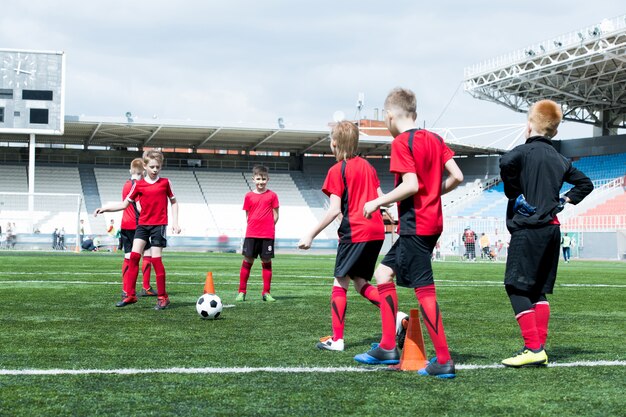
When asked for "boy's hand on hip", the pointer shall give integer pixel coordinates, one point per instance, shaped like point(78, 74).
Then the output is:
point(522, 207)
point(369, 208)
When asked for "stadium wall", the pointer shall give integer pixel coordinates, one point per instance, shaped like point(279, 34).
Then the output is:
point(603, 145)
point(600, 245)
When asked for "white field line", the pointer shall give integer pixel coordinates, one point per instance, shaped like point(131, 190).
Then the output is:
point(277, 282)
point(287, 370)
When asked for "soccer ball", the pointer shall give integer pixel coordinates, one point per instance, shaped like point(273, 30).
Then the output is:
point(209, 306)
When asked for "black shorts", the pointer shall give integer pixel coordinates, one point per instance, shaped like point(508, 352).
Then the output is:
point(127, 237)
point(154, 235)
point(533, 259)
point(410, 258)
point(357, 259)
point(255, 246)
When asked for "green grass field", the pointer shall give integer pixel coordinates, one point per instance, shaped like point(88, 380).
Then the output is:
point(58, 314)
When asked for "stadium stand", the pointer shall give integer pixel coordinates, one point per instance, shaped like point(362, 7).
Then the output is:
point(602, 170)
point(13, 179)
point(58, 211)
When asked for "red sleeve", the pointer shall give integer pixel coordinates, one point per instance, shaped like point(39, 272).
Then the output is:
point(275, 200)
point(401, 157)
point(126, 189)
point(376, 179)
point(447, 153)
point(333, 184)
point(246, 202)
point(133, 193)
point(169, 191)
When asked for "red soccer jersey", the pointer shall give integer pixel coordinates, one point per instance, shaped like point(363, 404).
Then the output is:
point(425, 154)
point(260, 208)
point(356, 182)
point(154, 198)
point(130, 217)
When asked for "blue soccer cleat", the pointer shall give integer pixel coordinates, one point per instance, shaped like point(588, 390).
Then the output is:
point(438, 370)
point(379, 356)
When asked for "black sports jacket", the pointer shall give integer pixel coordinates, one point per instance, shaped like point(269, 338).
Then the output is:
point(538, 171)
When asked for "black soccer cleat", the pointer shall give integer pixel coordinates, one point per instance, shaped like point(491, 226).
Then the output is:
point(126, 301)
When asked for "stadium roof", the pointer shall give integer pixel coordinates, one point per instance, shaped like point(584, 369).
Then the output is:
point(122, 132)
point(584, 71)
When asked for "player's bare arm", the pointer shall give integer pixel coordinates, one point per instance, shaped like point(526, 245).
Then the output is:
point(380, 193)
point(408, 187)
point(175, 226)
point(331, 214)
point(455, 177)
point(275, 211)
point(117, 206)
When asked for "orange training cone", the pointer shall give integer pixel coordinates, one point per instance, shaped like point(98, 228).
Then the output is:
point(209, 288)
point(414, 352)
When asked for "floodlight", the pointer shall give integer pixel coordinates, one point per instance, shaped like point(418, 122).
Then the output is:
point(595, 32)
point(281, 123)
point(558, 44)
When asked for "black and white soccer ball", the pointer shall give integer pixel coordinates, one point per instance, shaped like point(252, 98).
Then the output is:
point(209, 306)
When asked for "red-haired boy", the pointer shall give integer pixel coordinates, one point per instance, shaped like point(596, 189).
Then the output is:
point(533, 174)
point(130, 219)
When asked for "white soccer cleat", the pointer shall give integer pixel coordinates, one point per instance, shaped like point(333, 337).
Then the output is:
point(327, 343)
point(402, 323)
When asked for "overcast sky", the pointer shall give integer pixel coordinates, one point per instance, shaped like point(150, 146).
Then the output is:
point(251, 62)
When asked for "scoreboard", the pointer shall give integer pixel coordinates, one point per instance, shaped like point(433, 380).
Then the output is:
point(32, 98)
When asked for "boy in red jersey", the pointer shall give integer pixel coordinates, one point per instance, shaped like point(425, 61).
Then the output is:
point(350, 183)
point(154, 192)
point(418, 158)
point(261, 206)
point(533, 174)
point(130, 218)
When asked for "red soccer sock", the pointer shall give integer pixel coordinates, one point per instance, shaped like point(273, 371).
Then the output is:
point(338, 304)
point(528, 325)
point(388, 310)
point(130, 277)
point(371, 294)
point(244, 274)
point(159, 271)
point(125, 266)
point(427, 298)
point(146, 268)
point(267, 276)
point(542, 317)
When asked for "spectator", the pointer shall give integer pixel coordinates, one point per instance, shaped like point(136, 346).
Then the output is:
point(566, 244)
point(82, 231)
point(469, 240)
point(55, 239)
point(62, 239)
point(484, 246)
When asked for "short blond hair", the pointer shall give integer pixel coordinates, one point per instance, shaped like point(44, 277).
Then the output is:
point(346, 137)
point(137, 166)
point(545, 117)
point(153, 154)
point(402, 101)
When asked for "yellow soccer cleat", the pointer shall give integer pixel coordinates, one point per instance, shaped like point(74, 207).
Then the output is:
point(527, 357)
